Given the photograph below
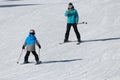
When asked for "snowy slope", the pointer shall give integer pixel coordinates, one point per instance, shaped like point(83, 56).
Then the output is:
point(97, 58)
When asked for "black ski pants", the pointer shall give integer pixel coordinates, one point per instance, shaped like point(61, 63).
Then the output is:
point(68, 31)
point(27, 55)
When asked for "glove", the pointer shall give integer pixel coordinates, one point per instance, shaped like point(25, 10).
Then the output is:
point(69, 9)
point(39, 46)
point(23, 47)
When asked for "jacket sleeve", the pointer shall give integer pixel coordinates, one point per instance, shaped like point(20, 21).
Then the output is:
point(24, 43)
point(38, 44)
point(76, 16)
point(23, 47)
point(66, 13)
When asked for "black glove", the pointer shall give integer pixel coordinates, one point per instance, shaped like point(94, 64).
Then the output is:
point(23, 47)
point(68, 9)
point(39, 46)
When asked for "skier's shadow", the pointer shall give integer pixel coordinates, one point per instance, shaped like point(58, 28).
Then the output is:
point(60, 61)
point(97, 40)
point(17, 5)
point(12, 0)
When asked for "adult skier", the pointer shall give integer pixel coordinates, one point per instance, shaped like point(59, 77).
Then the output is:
point(30, 42)
point(72, 20)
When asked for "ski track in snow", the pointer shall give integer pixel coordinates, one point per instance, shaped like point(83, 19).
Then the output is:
point(97, 58)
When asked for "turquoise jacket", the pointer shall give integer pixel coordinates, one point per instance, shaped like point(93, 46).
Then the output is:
point(30, 40)
point(72, 16)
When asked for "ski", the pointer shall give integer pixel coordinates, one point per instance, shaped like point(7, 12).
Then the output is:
point(78, 43)
point(61, 43)
point(70, 42)
point(64, 42)
point(40, 62)
point(26, 63)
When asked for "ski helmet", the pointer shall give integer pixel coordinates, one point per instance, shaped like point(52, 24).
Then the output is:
point(32, 31)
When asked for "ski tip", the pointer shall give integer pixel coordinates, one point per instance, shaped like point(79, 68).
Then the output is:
point(61, 43)
point(78, 43)
point(38, 63)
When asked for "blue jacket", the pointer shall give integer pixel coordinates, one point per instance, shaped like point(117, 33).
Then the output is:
point(72, 16)
point(30, 40)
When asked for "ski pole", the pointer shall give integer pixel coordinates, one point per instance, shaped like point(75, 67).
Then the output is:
point(19, 56)
point(83, 23)
point(39, 53)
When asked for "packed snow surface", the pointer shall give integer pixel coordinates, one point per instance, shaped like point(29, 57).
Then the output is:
point(97, 58)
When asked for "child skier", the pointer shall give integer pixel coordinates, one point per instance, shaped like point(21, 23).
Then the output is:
point(30, 42)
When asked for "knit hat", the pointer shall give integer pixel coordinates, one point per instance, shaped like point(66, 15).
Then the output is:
point(70, 6)
point(70, 3)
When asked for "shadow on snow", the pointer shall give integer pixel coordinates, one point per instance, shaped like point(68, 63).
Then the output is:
point(12, 0)
point(106, 39)
point(60, 61)
point(17, 5)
